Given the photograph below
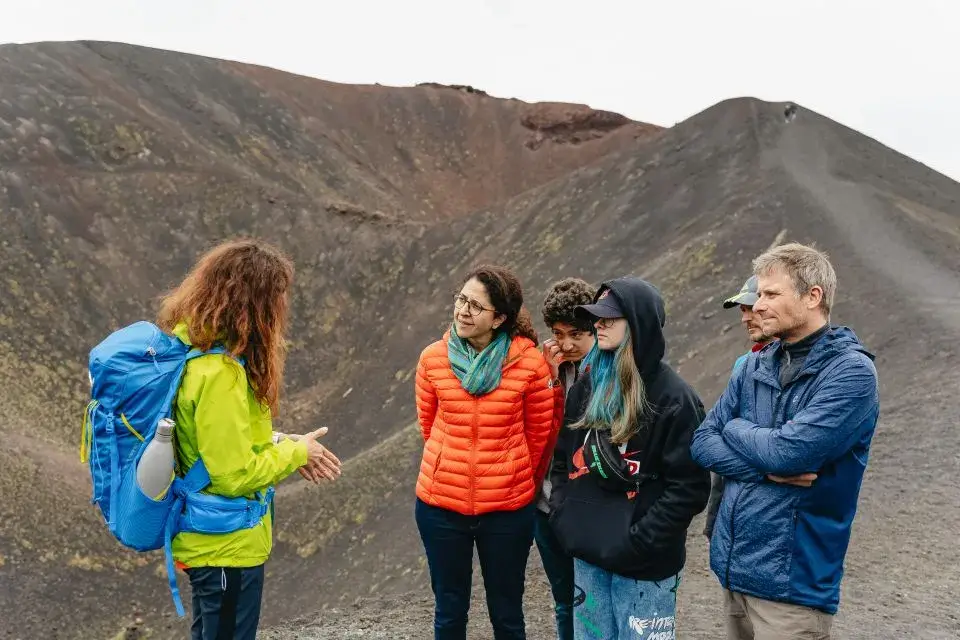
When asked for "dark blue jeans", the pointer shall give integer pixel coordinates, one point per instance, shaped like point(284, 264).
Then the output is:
point(503, 540)
point(226, 602)
point(559, 569)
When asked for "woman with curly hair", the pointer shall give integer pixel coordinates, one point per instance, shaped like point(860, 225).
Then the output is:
point(485, 402)
point(236, 296)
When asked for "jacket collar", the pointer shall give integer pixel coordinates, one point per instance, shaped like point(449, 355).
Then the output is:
point(182, 332)
point(832, 343)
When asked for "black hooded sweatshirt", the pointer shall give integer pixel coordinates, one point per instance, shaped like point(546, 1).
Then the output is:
point(639, 534)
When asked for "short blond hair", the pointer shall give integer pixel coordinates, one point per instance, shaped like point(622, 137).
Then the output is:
point(807, 267)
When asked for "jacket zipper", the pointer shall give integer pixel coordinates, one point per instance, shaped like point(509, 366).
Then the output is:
point(733, 510)
point(473, 456)
point(776, 413)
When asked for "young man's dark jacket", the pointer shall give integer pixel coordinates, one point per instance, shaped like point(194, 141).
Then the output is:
point(640, 533)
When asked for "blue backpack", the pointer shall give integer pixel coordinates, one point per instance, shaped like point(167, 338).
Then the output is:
point(134, 375)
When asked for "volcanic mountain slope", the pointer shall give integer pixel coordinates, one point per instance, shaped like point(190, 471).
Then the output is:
point(688, 210)
point(119, 165)
point(416, 154)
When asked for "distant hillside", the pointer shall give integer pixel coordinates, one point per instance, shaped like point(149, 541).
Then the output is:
point(120, 164)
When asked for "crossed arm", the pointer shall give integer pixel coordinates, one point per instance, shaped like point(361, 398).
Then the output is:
point(820, 432)
point(708, 447)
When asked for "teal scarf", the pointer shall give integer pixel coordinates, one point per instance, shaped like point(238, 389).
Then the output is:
point(479, 373)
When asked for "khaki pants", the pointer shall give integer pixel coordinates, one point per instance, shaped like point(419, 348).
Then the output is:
point(750, 618)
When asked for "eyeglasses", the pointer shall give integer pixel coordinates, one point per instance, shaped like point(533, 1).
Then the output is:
point(605, 323)
point(475, 308)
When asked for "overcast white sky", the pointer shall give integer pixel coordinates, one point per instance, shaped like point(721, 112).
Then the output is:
point(890, 70)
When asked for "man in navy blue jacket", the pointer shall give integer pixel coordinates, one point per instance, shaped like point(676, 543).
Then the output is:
point(744, 299)
point(790, 436)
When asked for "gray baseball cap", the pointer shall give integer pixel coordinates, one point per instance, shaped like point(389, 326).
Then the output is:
point(747, 295)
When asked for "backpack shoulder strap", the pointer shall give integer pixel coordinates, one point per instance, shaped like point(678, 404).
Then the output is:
point(217, 349)
point(196, 479)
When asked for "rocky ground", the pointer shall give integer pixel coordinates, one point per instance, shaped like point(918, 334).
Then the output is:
point(902, 573)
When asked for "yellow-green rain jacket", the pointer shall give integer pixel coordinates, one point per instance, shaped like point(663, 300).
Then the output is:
point(219, 419)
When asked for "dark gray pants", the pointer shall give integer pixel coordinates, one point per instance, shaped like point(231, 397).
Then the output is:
point(226, 602)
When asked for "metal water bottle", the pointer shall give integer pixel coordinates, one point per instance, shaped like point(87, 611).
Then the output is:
point(155, 469)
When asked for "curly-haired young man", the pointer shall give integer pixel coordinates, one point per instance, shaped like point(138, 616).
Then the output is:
point(572, 339)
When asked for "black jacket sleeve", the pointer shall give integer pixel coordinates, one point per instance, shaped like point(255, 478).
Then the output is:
point(560, 468)
point(566, 442)
point(687, 485)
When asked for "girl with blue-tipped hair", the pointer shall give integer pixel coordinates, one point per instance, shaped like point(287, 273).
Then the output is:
point(624, 486)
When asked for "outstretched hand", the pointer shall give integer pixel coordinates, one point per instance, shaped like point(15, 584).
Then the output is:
point(321, 463)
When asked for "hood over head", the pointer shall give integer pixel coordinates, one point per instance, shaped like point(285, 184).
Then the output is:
point(642, 306)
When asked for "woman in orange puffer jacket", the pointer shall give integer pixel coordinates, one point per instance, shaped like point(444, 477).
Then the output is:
point(488, 411)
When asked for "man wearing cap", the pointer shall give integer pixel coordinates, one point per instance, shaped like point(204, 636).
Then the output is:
point(745, 299)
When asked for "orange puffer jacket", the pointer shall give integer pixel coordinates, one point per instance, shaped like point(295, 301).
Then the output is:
point(486, 453)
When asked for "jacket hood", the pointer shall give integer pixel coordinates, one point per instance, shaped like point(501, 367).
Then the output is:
point(837, 340)
point(642, 306)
